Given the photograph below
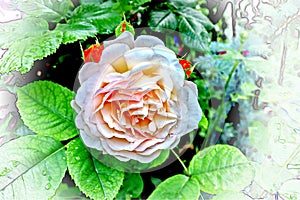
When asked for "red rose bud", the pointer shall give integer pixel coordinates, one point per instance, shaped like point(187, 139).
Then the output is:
point(124, 26)
point(188, 73)
point(185, 64)
point(93, 53)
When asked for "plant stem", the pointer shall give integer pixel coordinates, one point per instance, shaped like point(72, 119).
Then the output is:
point(220, 110)
point(181, 162)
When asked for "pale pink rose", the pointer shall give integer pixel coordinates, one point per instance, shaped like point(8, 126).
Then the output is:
point(135, 102)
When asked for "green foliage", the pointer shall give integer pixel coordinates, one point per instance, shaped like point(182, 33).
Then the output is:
point(177, 187)
point(221, 168)
point(103, 17)
point(34, 39)
point(50, 10)
point(132, 187)
point(65, 192)
point(76, 31)
point(191, 24)
point(50, 103)
point(231, 195)
point(160, 20)
point(124, 26)
point(96, 180)
point(33, 36)
point(31, 166)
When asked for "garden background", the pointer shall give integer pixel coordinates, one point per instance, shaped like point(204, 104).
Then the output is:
point(247, 74)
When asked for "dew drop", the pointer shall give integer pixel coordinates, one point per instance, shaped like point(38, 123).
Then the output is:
point(44, 172)
point(76, 148)
point(77, 158)
point(47, 186)
point(15, 163)
point(39, 73)
point(4, 172)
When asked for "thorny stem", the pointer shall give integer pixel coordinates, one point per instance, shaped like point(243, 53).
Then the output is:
point(181, 162)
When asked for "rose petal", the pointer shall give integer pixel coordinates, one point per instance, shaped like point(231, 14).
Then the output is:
point(147, 41)
point(124, 38)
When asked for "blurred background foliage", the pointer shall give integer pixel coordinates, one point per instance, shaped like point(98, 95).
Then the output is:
point(246, 100)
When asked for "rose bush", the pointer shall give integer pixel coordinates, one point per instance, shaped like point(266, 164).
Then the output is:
point(135, 102)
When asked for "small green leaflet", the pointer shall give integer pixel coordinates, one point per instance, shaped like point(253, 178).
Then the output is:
point(31, 167)
point(177, 187)
point(221, 168)
point(160, 20)
point(132, 187)
point(50, 10)
point(94, 179)
point(45, 108)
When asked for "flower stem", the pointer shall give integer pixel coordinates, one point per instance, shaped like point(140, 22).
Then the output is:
point(181, 162)
point(220, 109)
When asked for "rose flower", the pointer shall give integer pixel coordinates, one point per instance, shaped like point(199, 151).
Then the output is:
point(135, 102)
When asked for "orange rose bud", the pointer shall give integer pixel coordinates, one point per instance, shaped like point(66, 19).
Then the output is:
point(93, 53)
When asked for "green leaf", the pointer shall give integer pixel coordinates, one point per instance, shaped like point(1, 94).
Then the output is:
point(193, 34)
point(260, 137)
point(177, 187)
point(50, 10)
point(65, 192)
point(31, 167)
point(132, 187)
point(90, 2)
point(196, 15)
point(45, 108)
point(160, 20)
point(186, 3)
point(93, 178)
point(137, 3)
point(76, 31)
point(22, 54)
point(13, 31)
point(231, 195)
point(103, 17)
point(221, 168)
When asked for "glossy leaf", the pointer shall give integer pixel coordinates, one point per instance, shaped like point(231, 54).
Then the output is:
point(104, 18)
point(221, 168)
point(21, 55)
point(193, 34)
point(133, 186)
point(186, 3)
point(50, 10)
point(31, 167)
point(197, 16)
point(177, 187)
point(94, 179)
point(76, 31)
point(160, 20)
point(45, 108)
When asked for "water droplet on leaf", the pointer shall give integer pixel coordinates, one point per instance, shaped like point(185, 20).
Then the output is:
point(47, 186)
point(77, 158)
point(44, 172)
